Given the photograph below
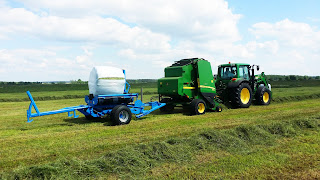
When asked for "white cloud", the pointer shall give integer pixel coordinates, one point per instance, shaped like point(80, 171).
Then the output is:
point(37, 64)
point(186, 19)
point(287, 47)
point(289, 33)
point(143, 37)
point(86, 57)
point(140, 32)
point(312, 19)
point(87, 29)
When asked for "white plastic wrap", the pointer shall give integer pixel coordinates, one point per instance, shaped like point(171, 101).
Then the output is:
point(106, 80)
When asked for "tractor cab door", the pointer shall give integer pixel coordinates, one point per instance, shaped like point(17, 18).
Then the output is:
point(244, 72)
point(225, 74)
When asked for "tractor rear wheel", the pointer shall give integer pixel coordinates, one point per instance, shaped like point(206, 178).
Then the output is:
point(263, 96)
point(241, 96)
point(121, 115)
point(168, 108)
point(197, 107)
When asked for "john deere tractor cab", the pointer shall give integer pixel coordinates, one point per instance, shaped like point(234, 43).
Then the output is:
point(238, 85)
point(190, 83)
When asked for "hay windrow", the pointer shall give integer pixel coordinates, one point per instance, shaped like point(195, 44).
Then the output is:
point(137, 160)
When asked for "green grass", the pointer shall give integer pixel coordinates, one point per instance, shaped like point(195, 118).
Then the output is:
point(259, 142)
point(230, 153)
point(299, 91)
point(55, 137)
point(59, 93)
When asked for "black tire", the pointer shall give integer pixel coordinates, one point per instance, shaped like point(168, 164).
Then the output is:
point(218, 109)
point(263, 96)
point(121, 115)
point(197, 107)
point(241, 96)
point(89, 117)
point(169, 107)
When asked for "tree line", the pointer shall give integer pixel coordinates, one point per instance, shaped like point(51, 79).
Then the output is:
point(291, 78)
point(138, 81)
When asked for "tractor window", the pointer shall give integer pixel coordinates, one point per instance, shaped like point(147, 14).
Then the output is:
point(228, 72)
point(244, 72)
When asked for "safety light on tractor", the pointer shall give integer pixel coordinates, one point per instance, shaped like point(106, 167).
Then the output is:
point(234, 79)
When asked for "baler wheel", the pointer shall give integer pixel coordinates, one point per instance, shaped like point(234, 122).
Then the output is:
point(218, 109)
point(121, 115)
point(198, 107)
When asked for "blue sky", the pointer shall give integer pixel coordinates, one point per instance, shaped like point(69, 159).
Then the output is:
point(63, 39)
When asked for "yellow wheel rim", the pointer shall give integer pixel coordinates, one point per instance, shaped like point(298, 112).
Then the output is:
point(245, 96)
point(265, 97)
point(201, 108)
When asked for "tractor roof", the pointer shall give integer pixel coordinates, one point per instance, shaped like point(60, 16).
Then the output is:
point(233, 64)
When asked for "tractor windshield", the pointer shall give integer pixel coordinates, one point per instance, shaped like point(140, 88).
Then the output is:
point(228, 72)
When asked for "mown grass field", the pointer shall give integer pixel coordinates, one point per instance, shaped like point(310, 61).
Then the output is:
point(281, 140)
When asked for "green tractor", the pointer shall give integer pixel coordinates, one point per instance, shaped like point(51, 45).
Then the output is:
point(238, 85)
point(188, 83)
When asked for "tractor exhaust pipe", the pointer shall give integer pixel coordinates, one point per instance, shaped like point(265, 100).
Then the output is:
point(252, 77)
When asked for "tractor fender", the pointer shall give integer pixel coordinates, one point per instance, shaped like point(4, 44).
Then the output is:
point(234, 84)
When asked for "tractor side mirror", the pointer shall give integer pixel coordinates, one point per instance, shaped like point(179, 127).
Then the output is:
point(258, 68)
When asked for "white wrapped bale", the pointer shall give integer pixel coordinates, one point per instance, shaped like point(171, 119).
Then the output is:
point(106, 80)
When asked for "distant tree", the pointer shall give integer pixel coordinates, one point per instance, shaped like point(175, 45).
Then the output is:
point(317, 77)
point(287, 78)
point(292, 77)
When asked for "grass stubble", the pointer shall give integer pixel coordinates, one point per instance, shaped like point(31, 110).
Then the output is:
point(245, 151)
point(279, 141)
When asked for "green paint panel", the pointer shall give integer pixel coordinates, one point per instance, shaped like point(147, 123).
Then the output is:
point(170, 86)
point(206, 82)
point(178, 81)
point(187, 79)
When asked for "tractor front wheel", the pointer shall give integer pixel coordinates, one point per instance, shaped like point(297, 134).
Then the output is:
point(263, 96)
point(198, 107)
point(121, 115)
point(241, 96)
